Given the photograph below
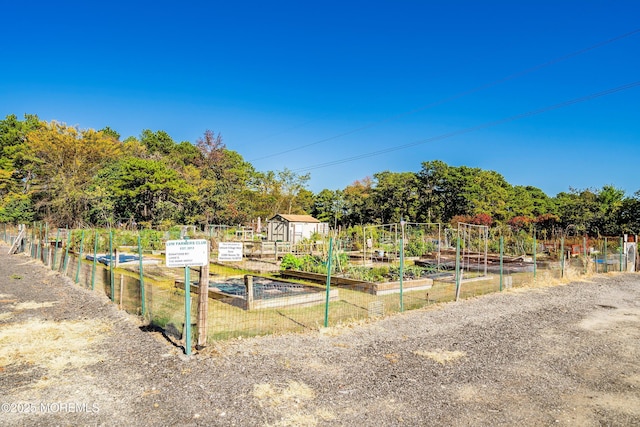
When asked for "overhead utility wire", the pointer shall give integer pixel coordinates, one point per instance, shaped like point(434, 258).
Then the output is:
point(473, 128)
point(456, 96)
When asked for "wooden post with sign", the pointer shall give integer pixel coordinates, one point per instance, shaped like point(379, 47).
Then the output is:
point(248, 284)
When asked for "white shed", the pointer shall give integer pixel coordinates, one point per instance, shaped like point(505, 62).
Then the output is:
point(294, 228)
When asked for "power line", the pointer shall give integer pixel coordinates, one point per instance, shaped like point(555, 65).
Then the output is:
point(474, 128)
point(456, 96)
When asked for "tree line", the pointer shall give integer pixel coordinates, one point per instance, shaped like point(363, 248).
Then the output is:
point(67, 176)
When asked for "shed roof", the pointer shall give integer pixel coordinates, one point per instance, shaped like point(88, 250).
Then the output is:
point(295, 218)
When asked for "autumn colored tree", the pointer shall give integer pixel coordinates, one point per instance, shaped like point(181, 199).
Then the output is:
point(518, 223)
point(67, 160)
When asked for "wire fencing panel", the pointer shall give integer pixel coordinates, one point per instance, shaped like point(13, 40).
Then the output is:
point(281, 288)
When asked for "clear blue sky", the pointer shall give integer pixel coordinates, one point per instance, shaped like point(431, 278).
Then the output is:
point(298, 84)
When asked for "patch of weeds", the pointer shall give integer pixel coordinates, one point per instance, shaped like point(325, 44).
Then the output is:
point(16, 276)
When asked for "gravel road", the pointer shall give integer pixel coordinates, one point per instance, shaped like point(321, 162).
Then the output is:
point(563, 355)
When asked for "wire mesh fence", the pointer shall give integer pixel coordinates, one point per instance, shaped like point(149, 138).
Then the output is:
point(278, 288)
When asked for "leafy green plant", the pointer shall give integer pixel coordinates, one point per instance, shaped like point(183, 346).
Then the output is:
point(290, 262)
point(151, 239)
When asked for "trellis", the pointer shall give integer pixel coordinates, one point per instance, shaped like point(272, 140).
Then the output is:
point(474, 245)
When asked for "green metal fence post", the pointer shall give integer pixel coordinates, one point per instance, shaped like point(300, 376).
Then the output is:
point(621, 244)
point(501, 260)
point(606, 267)
point(66, 253)
point(187, 311)
point(79, 257)
point(55, 250)
point(562, 257)
point(33, 238)
point(142, 294)
point(457, 268)
point(326, 302)
point(46, 245)
point(535, 252)
point(111, 265)
point(586, 259)
point(95, 259)
point(401, 274)
point(39, 246)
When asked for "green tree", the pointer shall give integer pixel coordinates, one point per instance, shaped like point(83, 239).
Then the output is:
point(578, 208)
point(110, 132)
point(158, 143)
point(144, 190)
point(530, 201)
point(629, 214)
point(610, 202)
point(291, 184)
point(15, 156)
point(358, 203)
point(396, 196)
point(329, 206)
point(279, 192)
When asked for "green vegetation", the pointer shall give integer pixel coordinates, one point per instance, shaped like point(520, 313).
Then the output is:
point(71, 177)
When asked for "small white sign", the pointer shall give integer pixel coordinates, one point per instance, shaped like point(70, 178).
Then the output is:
point(229, 251)
point(187, 253)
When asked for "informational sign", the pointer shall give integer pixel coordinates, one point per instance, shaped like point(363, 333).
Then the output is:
point(187, 253)
point(229, 251)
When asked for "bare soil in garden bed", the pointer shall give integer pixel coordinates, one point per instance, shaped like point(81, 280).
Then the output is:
point(562, 355)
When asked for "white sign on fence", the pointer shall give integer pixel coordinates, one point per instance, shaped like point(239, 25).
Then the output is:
point(229, 251)
point(187, 253)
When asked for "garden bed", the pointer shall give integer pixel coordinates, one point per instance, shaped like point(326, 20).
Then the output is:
point(373, 288)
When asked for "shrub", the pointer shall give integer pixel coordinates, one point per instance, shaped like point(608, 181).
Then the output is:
point(290, 261)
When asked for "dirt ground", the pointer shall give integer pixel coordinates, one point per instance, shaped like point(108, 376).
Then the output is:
point(561, 355)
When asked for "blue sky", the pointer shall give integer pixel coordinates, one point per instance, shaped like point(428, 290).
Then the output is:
point(302, 84)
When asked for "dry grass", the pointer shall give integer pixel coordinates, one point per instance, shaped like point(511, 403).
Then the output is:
point(293, 393)
point(31, 305)
point(54, 346)
point(289, 402)
point(441, 356)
